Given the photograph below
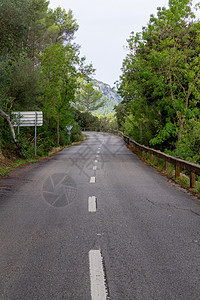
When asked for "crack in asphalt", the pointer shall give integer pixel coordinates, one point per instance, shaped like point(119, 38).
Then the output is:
point(173, 207)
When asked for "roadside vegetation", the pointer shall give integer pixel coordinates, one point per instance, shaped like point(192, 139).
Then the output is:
point(40, 70)
point(160, 83)
point(9, 164)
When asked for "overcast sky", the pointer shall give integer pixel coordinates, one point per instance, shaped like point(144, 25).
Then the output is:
point(104, 27)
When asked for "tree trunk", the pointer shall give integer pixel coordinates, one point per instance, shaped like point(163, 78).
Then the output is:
point(180, 133)
point(58, 132)
point(1, 154)
point(19, 146)
point(141, 129)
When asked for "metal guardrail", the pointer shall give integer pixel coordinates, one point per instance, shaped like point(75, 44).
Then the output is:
point(193, 168)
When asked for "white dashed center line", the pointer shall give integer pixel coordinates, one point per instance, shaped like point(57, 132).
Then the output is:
point(97, 276)
point(92, 204)
point(94, 168)
point(96, 161)
point(92, 179)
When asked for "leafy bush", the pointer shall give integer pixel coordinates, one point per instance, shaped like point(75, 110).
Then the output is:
point(76, 133)
point(189, 146)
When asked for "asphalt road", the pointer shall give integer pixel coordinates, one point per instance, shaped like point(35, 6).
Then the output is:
point(94, 222)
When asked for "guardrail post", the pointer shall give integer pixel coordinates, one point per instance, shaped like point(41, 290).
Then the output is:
point(166, 165)
point(192, 179)
point(147, 155)
point(177, 171)
point(35, 133)
point(158, 161)
point(136, 149)
point(151, 157)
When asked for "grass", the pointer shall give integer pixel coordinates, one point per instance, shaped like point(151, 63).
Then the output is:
point(7, 165)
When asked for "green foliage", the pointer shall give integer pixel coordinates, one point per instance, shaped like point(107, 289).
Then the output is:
point(106, 109)
point(121, 114)
point(65, 23)
point(14, 23)
point(88, 99)
point(6, 143)
point(76, 133)
point(39, 70)
point(58, 84)
point(189, 147)
point(160, 79)
point(86, 120)
point(108, 122)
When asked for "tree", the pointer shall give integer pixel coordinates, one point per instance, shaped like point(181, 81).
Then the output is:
point(61, 66)
point(121, 114)
point(17, 74)
point(38, 36)
point(59, 82)
point(13, 25)
point(161, 73)
point(65, 23)
point(39, 66)
point(175, 59)
point(86, 119)
point(88, 98)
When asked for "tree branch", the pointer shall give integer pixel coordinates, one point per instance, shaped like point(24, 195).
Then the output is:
point(8, 119)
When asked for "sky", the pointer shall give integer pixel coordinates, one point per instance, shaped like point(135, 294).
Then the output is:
point(104, 27)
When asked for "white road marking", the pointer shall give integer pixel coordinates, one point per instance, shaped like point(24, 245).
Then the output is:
point(92, 179)
point(96, 161)
point(92, 204)
point(94, 168)
point(97, 276)
point(98, 152)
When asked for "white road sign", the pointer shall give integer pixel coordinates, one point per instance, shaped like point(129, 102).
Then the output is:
point(28, 118)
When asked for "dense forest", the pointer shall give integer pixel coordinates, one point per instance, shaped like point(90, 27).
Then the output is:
point(160, 82)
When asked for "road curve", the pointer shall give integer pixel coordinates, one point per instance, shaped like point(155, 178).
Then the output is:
point(94, 222)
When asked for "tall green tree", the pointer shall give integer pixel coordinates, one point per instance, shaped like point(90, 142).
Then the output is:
point(161, 74)
point(13, 25)
point(61, 67)
point(65, 24)
point(59, 82)
point(36, 45)
point(89, 99)
point(18, 76)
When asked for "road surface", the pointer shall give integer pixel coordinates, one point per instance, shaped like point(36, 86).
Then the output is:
point(94, 222)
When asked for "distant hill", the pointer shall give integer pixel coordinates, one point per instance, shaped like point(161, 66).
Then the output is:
point(111, 96)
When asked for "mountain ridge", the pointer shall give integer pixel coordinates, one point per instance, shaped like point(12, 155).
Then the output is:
point(110, 94)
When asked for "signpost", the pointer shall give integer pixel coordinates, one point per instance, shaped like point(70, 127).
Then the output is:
point(28, 118)
point(69, 130)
